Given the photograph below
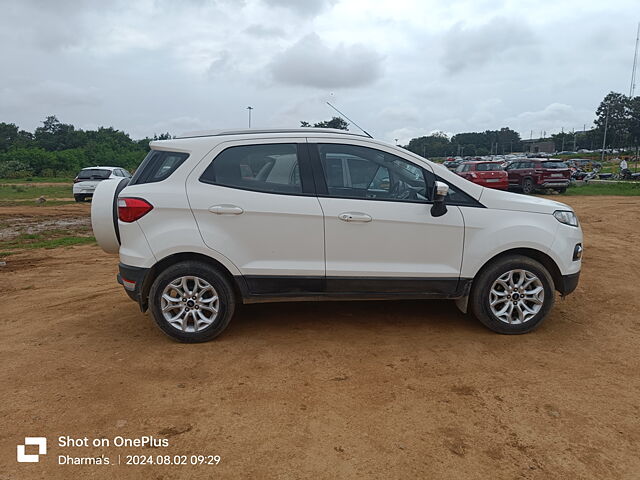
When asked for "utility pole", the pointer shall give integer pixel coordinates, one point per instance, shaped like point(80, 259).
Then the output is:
point(562, 138)
point(635, 63)
point(604, 138)
point(574, 140)
point(249, 109)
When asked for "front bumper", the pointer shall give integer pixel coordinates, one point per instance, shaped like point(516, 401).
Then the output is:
point(568, 283)
point(132, 279)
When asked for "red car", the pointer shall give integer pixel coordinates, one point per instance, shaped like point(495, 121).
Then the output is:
point(487, 174)
point(533, 174)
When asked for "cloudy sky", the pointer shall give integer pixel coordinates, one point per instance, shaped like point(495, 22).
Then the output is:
point(399, 68)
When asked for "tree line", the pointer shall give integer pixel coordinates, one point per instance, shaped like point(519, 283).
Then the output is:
point(58, 149)
point(618, 114)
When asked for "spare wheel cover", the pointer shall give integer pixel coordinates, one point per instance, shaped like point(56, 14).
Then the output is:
point(104, 214)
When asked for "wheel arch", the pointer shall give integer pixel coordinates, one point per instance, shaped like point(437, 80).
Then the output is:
point(170, 260)
point(543, 258)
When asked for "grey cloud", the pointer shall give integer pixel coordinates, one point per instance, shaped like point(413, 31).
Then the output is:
point(262, 31)
point(220, 63)
point(303, 7)
point(50, 94)
point(310, 62)
point(473, 47)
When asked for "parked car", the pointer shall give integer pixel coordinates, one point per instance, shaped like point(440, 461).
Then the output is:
point(212, 219)
point(538, 173)
point(452, 164)
point(87, 180)
point(487, 174)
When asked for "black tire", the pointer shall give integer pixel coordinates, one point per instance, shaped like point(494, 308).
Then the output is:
point(562, 190)
point(79, 198)
point(527, 186)
point(480, 297)
point(225, 294)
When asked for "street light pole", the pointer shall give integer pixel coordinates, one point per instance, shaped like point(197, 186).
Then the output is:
point(604, 138)
point(249, 109)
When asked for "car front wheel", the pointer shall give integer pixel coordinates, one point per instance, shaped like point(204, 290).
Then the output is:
point(191, 302)
point(513, 295)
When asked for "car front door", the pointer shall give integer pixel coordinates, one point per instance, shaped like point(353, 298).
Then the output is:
point(255, 204)
point(379, 234)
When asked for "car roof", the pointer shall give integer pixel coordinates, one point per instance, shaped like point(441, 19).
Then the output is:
point(253, 131)
point(104, 168)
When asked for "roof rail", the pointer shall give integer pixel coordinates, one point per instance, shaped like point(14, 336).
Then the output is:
point(253, 131)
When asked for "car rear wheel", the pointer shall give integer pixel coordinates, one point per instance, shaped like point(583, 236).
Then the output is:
point(513, 295)
point(527, 186)
point(191, 302)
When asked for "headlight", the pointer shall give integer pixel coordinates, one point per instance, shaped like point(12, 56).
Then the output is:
point(567, 217)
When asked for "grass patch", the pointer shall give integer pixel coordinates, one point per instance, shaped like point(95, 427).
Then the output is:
point(40, 242)
point(22, 192)
point(37, 180)
point(622, 189)
point(6, 254)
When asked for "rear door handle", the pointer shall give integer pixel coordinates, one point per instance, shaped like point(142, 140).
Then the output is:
point(354, 217)
point(226, 210)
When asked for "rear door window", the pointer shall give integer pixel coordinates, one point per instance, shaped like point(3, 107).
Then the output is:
point(270, 168)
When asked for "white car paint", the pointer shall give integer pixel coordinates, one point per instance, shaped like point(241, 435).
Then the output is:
point(88, 187)
point(298, 235)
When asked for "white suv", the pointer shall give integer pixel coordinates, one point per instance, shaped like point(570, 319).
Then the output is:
point(87, 180)
point(212, 219)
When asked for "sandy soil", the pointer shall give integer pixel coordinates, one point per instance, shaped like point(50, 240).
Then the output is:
point(73, 219)
point(330, 390)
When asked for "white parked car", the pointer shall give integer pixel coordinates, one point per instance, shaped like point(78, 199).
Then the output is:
point(212, 219)
point(87, 180)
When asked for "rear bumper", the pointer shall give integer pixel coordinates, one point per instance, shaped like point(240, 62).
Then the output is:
point(132, 279)
point(568, 283)
point(555, 184)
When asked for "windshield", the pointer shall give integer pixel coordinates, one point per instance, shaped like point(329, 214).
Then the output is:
point(488, 167)
point(94, 174)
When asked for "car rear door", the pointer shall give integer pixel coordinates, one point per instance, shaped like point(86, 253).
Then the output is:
point(254, 203)
point(379, 234)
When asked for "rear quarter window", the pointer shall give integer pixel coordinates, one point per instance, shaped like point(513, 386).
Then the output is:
point(158, 165)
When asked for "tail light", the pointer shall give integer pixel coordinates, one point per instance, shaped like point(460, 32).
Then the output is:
point(132, 209)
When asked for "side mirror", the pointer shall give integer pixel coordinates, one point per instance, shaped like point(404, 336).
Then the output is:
point(440, 191)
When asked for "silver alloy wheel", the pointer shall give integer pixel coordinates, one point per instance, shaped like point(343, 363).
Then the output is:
point(516, 297)
point(189, 304)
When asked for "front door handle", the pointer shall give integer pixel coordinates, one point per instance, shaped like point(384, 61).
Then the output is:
point(226, 210)
point(354, 217)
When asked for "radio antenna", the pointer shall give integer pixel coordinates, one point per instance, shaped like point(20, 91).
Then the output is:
point(363, 130)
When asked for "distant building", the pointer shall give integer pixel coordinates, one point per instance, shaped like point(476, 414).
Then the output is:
point(538, 145)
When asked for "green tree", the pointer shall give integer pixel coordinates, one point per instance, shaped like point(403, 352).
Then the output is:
point(8, 135)
point(335, 122)
point(613, 112)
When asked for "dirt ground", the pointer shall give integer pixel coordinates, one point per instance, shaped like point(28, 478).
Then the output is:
point(409, 389)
